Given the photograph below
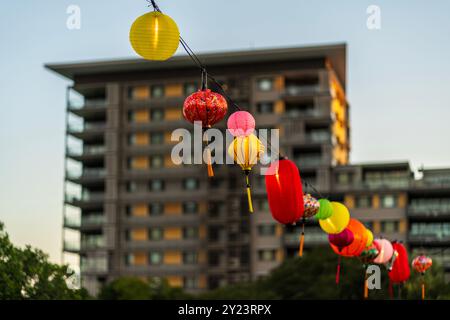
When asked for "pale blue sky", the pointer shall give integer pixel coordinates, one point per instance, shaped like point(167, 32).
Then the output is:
point(398, 80)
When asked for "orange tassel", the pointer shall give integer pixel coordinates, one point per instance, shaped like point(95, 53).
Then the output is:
point(302, 240)
point(210, 168)
point(423, 291)
point(366, 289)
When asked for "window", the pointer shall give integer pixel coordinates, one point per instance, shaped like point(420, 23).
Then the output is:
point(156, 209)
point(190, 257)
point(388, 201)
point(364, 202)
point(190, 233)
point(190, 282)
point(138, 93)
point(215, 209)
point(157, 161)
point(157, 91)
point(267, 255)
point(263, 205)
point(344, 178)
point(156, 185)
point(129, 259)
point(190, 207)
point(264, 107)
point(266, 229)
point(155, 257)
point(265, 84)
point(190, 184)
point(131, 186)
point(389, 226)
point(190, 88)
point(157, 114)
point(157, 138)
point(155, 234)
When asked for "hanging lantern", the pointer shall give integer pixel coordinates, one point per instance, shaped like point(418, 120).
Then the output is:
point(284, 191)
point(341, 240)
point(386, 251)
point(421, 264)
point(154, 36)
point(208, 108)
point(205, 106)
point(369, 238)
point(325, 209)
point(246, 151)
point(241, 123)
point(400, 271)
point(311, 205)
point(359, 242)
point(337, 222)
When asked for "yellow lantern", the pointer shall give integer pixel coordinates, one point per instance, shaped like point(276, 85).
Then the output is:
point(154, 36)
point(369, 238)
point(246, 151)
point(338, 221)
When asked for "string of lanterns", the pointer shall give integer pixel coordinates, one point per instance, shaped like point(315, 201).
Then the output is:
point(155, 36)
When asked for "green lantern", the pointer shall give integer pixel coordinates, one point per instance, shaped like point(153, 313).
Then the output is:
point(325, 209)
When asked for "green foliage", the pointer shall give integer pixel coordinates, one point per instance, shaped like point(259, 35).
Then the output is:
point(27, 274)
point(313, 277)
point(132, 288)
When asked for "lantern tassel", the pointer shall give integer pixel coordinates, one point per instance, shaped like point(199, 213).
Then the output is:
point(302, 240)
point(249, 193)
point(338, 270)
point(366, 286)
point(210, 168)
point(423, 288)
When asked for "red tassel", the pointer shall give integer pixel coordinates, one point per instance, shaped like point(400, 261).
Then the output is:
point(338, 270)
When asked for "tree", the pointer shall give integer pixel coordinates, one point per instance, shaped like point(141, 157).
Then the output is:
point(313, 277)
point(27, 274)
point(132, 288)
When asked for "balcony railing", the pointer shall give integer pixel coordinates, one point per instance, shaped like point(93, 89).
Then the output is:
point(71, 245)
point(87, 103)
point(308, 161)
point(85, 197)
point(75, 127)
point(94, 265)
point(86, 173)
point(93, 242)
point(295, 90)
point(72, 222)
point(86, 150)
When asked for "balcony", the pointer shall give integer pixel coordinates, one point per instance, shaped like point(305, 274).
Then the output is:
point(311, 237)
point(94, 265)
point(86, 197)
point(306, 161)
point(77, 104)
point(91, 150)
point(72, 246)
point(93, 242)
point(429, 210)
point(300, 90)
point(72, 222)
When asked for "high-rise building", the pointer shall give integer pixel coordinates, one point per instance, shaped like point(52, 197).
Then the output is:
point(129, 210)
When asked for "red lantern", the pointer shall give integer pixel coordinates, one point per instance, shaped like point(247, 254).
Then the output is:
point(284, 191)
point(207, 107)
point(400, 271)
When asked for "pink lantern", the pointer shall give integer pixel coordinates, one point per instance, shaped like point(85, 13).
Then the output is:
point(386, 251)
point(241, 123)
point(343, 239)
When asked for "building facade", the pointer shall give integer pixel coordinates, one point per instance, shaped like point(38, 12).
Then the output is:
point(129, 210)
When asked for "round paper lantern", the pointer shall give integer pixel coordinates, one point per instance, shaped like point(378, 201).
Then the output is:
point(369, 237)
point(386, 251)
point(342, 239)
point(246, 152)
point(422, 263)
point(241, 123)
point(325, 209)
point(400, 271)
point(154, 36)
point(337, 222)
point(284, 191)
point(205, 106)
point(311, 206)
point(359, 241)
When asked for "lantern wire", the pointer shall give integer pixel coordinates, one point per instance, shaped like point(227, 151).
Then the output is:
point(209, 76)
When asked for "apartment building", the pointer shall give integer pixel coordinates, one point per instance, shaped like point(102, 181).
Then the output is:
point(129, 210)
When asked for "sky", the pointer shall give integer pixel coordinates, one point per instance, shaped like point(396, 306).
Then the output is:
point(397, 80)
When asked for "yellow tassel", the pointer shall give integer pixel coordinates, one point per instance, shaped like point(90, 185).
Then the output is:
point(249, 196)
point(423, 291)
point(210, 168)
point(302, 240)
